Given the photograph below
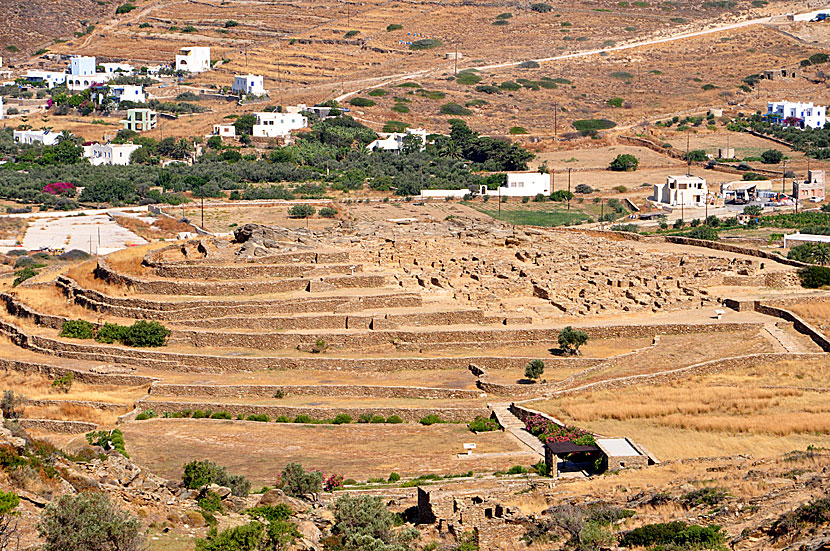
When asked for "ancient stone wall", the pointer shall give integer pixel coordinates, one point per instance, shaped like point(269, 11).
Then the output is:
point(728, 247)
point(53, 425)
point(410, 415)
point(799, 324)
point(240, 391)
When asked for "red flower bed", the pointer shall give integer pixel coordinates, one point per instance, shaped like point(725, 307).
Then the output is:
point(59, 188)
point(548, 431)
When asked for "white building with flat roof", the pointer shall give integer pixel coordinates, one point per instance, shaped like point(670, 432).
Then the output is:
point(523, 184)
point(30, 137)
point(109, 154)
point(81, 65)
point(253, 85)
point(118, 68)
point(51, 78)
point(687, 191)
point(224, 130)
point(275, 125)
point(796, 114)
point(195, 59)
point(394, 141)
point(128, 92)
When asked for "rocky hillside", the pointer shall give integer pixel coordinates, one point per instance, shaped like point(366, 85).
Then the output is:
point(25, 27)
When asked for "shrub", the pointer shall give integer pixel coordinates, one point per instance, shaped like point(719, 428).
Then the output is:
point(230, 23)
point(425, 44)
point(271, 513)
point(534, 369)
point(483, 424)
point(342, 419)
point(319, 347)
point(696, 155)
point(592, 126)
point(221, 415)
point(541, 8)
point(297, 482)
point(9, 404)
point(487, 89)
point(704, 496)
point(109, 440)
point(77, 329)
point(361, 102)
point(302, 418)
point(624, 163)
point(393, 27)
point(772, 157)
point(753, 210)
point(467, 78)
point(110, 333)
point(571, 339)
point(351, 34)
point(814, 277)
point(583, 188)
point(282, 419)
point(301, 211)
point(707, 233)
point(616, 102)
point(377, 419)
point(377, 92)
point(431, 419)
point(261, 418)
point(199, 474)
point(88, 521)
point(510, 86)
point(455, 110)
point(201, 414)
point(328, 212)
point(146, 414)
point(394, 420)
point(676, 532)
point(146, 334)
point(518, 130)
point(394, 477)
point(124, 8)
point(64, 382)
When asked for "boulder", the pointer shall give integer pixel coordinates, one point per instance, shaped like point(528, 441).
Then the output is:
point(275, 497)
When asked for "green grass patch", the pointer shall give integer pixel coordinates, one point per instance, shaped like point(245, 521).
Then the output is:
point(425, 44)
point(546, 218)
point(455, 110)
point(467, 78)
point(377, 92)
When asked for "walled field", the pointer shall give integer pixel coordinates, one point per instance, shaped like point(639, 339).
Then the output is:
point(763, 411)
point(260, 450)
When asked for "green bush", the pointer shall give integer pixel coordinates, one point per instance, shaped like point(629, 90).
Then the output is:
point(210, 502)
point(518, 130)
point(199, 474)
point(541, 8)
point(26, 273)
point(772, 157)
point(77, 329)
point(616, 102)
point(394, 420)
point(146, 414)
point(146, 334)
point(110, 333)
point(377, 92)
point(425, 44)
point(201, 414)
point(124, 8)
point(221, 415)
point(511, 86)
point(707, 233)
point(351, 34)
point(704, 496)
point(455, 110)
point(328, 212)
point(393, 27)
point(342, 419)
point(431, 419)
point(534, 369)
point(394, 477)
point(677, 532)
point(297, 482)
point(361, 102)
point(282, 419)
point(814, 277)
point(624, 163)
point(302, 418)
point(271, 513)
point(88, 520)
point(592, 126)
point(483, 424)
point(64, 382)
point(261, 418)
point(301, 211)
point(811, 253)
point(467, 78)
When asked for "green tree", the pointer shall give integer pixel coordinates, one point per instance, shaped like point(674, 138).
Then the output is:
point(244, 124)
point(697, 155)
point(772, 157)
point(301, 211)
point(8, 519)
point(534, 369)
point(624, 163)
point(88, 521)
point(214, 142)
point(571, 339)
point(753, 210)
point(297, 482)
point(364, 522)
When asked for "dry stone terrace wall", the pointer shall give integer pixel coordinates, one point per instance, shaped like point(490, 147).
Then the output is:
point(170, 311)
point(56, 426)
point(53, 371)
point(410, 415)
point(799, 324)
point(728, 247)
point(229, 288)
point(256, 271)
point(159, 258)
point(240, 391)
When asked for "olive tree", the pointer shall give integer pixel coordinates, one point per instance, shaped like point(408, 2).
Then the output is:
point(571, 339)
point(89, 521)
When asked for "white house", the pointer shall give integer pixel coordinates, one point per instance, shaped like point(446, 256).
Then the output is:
point(195, 59)
point(224, 130)
point(253, 85)
point(687, 191)
point(523, 184)
point(51, 78)
point(118, 68)
point(273, 125)
point(394, 141)
point(109, 154)
point(82, 66)
point(36, 136)
point(83, 82)
point(799, 115)
point(128, 92)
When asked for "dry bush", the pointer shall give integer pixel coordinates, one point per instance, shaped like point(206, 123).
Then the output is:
point(73, 412)
point(161, 228)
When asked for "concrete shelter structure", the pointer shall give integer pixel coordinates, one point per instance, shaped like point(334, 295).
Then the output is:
point(195, 59)
point(687, 191)
point(275, 125)
point(811, 189)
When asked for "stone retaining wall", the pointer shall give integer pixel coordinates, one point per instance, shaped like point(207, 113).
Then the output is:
point(240, 391)
point(719, 246)
point(23, 311)
point(104, 406)
point(234, 288)
point(799, 324)
point(155, 258)
point(247, 272)
point(52, 371)
point(171, 311)
point(54, 425)
point(410, 415)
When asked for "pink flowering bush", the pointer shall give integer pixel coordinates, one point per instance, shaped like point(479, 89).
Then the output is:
point(334, 482)
point(59, 188)
point(548, 431)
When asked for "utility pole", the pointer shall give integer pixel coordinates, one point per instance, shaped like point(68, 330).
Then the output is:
point(569, 188)
point(783, 175)
point(202, 193)
point(688, 158)
point(455, 71)
point(499, 202)
point(555, 109)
